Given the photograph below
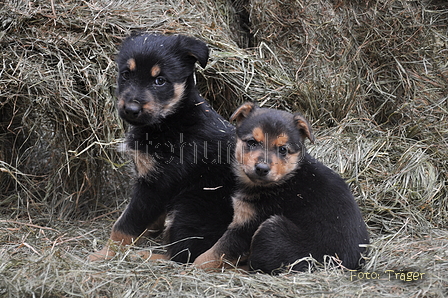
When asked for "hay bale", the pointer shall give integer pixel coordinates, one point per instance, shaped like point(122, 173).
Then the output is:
point(56, 85)
point(370, 75)
point(59, 124)
point(371, 78)
point(376, 73)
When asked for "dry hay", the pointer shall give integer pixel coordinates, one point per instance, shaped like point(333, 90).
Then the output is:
point(372, 76)
point(51, 262)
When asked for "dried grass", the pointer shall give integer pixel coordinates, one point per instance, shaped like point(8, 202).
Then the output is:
point(51, 262)
point(372, 76)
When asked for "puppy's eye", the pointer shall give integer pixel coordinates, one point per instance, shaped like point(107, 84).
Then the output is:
point(251, 143)
point(125, 74)
point(159, 81)
point(282, 150)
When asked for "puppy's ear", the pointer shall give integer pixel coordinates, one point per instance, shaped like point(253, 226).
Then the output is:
point(242, 112)
point(303, 126)
point(195, 49)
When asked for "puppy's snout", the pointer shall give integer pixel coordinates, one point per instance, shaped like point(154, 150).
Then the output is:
point(132, 109)
point(262, 169)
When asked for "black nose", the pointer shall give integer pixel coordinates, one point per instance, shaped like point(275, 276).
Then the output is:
point(262, 169)
point(132, 109)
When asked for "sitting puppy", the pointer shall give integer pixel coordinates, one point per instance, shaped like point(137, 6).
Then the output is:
point(180, 146)
point(287, 205)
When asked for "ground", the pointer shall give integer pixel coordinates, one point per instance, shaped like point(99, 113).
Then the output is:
point(50, 261)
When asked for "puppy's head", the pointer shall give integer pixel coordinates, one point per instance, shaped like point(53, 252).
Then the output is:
point(152, 75)
point(269, 144)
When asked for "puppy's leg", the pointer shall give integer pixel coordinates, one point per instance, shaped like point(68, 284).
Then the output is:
point(145, 212)
point(277, 243)
point(196, 226)
point(234, 245)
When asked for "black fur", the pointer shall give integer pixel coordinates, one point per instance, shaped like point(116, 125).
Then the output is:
point(180, 145)
point(308, 210)
point(313, 214)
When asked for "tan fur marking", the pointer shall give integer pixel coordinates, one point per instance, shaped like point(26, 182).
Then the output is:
point(144, 163)
point(249, 159)
point(210, 259)
point(240, 160)
point(148, 255)
point(154, 107)
point(105, 254)
point(245, 161)
point(132, 65)
point(214, 258)
point(179, 89)
point(258, 134)
point(155, 71)
point(281, 140)
point(244, 212)
point(169, 219)
point(116, 242)
point(239, 151)
point(282, 167)
point(121, 238)
point(120, 103)
point(151, 105)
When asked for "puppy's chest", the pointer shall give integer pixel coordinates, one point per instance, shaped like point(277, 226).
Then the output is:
point(282, 200)
point(153, 154)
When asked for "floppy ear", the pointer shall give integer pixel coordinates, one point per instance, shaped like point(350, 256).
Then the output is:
point(195, 49)
point(242, 112)
point(303, 126)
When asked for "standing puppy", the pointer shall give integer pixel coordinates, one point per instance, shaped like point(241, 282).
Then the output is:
point(180, 146)
point(287, 205)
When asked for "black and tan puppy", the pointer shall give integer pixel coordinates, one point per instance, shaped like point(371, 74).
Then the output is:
point(180, 146)
point(287, 205)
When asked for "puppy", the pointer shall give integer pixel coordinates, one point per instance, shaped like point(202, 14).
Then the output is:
point(287, 206)
point(180, 146)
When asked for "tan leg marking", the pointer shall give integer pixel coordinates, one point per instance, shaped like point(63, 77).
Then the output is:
point(104, 254)
point(209, 259)
point(148, 255)
point(117, 241)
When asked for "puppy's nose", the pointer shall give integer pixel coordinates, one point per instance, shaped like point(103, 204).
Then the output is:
point(262, 169)
point(132, 109)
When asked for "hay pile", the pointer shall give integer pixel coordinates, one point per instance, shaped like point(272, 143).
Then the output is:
point(40, 261)
point(372, 76)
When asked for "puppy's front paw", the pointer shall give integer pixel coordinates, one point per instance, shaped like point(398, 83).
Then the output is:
point(208, 260)
point(148, 255)
point(105, 254)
